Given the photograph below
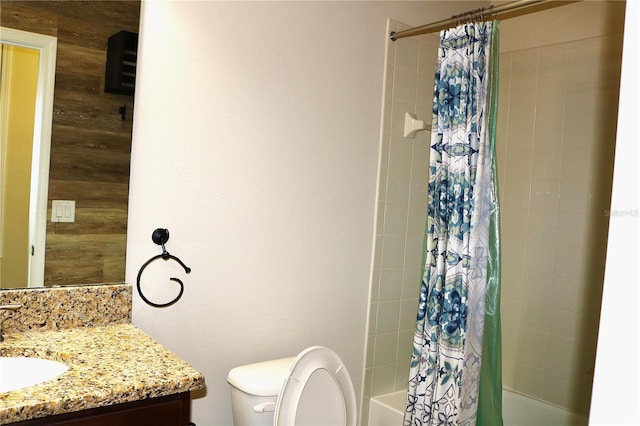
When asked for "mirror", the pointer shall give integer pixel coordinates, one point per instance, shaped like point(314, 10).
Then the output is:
point(90, 145)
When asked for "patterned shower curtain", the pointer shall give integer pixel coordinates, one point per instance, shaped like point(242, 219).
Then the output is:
point(459, 255)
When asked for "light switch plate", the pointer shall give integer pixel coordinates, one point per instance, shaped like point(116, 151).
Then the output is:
point(63, 211)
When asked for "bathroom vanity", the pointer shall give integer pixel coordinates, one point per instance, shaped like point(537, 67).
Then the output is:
point(117, 374)
point(167, 410)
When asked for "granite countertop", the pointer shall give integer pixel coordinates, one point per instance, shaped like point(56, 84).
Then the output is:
point(108, 365)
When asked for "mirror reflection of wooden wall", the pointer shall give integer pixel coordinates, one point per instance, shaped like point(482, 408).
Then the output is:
point(91, 144)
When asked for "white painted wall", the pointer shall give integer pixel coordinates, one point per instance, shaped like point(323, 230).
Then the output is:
point(616, 384)
point(255, 142)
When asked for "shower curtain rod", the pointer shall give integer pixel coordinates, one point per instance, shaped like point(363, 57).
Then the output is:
point(479, 14)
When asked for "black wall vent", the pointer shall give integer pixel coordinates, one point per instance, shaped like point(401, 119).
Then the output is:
point(122, 55)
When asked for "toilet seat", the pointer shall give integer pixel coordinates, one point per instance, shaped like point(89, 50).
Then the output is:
point(318, 376)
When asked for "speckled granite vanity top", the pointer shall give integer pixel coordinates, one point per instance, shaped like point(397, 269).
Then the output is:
point(108, 364)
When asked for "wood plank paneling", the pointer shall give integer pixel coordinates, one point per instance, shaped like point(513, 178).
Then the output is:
point(99, 194)
point(91, 144)
point(96, 258)
point(91, 138)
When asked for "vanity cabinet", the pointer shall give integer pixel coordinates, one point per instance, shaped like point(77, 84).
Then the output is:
point(118, 376)
point(170, 410)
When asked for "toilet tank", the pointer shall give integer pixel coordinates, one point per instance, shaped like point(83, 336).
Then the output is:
point(255, 389)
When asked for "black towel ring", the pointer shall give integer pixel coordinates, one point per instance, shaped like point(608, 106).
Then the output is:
point(160, 236)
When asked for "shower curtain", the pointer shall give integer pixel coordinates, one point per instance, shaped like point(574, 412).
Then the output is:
point(459, 298)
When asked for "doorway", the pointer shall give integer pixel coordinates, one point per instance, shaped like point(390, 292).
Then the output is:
point(24, 48)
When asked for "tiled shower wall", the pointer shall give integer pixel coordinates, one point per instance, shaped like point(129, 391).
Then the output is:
point(556, 137)
point(401, 214)
point(556, 140)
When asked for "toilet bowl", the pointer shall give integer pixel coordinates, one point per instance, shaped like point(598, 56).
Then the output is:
point(314, 388)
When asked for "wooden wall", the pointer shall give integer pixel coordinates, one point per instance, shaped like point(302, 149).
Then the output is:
point(91, 144)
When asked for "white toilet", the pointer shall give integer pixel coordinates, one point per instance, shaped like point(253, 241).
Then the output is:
point(313, 388)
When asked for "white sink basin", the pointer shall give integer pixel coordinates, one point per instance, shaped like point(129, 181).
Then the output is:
point(22, 372)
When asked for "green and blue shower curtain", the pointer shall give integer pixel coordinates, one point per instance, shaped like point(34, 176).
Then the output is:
point(460, 281)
